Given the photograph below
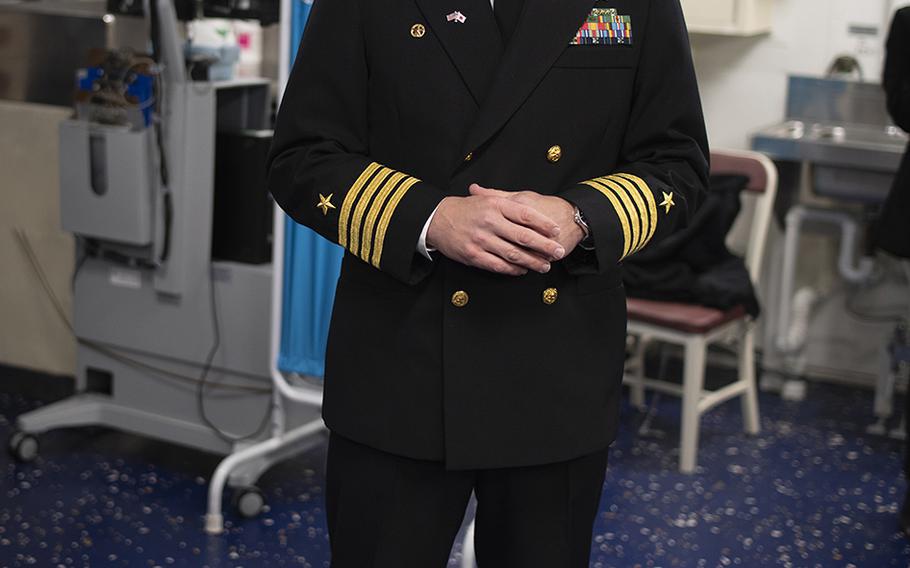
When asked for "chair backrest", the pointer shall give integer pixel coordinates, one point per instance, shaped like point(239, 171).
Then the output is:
point(762, 174)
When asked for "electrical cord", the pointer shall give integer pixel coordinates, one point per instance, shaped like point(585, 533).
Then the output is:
point(199, 382)
point(168, 202)
point(163, 170)
point(25, 244)
point(80, 260)
point(206, 369)
point(164, 173)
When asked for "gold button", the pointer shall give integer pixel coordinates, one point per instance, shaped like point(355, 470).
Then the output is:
point(417, 30)
point(550, 295)
point(460, 299)
point(554, 154)
point(469, 157)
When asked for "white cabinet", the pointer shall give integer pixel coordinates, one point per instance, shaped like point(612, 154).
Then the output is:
point(728, 17)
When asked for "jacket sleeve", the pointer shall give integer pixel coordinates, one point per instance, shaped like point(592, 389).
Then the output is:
point(319, 166)
point(663, 169)
point(896, 74)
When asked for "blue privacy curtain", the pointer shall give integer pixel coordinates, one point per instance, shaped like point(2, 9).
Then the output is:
point(311, 266)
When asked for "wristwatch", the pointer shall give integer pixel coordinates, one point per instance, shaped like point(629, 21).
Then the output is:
point(587, 242)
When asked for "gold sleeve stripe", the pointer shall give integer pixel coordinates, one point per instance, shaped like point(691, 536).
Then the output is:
point(362, 202)
point(620, 213)
point(368, 208)
point(635, 193)
point(349, 200)
point(649, 199)
point(651, 205)
point(375, 209)
point(631, 211)
point(387, 217)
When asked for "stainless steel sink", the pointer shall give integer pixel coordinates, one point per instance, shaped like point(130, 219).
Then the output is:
point(889, 139)
point(841, 129)
point(850, 161)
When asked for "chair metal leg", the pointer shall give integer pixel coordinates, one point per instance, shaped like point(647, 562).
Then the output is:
point(751, 422)
point(693, 382)
point(637, 388)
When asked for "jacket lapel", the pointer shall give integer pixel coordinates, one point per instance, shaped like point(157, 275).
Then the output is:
point(545, 29)
point(475, 46)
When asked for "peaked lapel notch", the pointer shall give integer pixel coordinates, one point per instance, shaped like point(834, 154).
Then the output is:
point(474, 46)
point(545, 29)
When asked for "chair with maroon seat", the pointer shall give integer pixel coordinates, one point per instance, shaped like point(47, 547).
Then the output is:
point(695, 327)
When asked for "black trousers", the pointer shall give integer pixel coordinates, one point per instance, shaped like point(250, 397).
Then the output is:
point(388, 511)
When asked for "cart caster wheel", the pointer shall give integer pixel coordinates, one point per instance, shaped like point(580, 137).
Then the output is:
point(23, 446)
point(249, 502)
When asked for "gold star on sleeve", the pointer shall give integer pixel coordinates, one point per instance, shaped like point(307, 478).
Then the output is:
point(667, 203)
point(325, 203)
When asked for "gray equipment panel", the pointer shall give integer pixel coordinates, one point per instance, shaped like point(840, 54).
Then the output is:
point(119, 306)
point(107, 189)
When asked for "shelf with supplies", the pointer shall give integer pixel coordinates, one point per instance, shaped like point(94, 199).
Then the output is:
point(728, 17)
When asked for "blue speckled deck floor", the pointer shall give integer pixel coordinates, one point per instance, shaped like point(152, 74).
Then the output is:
point(813, 490)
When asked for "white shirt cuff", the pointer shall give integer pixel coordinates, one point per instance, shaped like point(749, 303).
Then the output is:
point(422, 241)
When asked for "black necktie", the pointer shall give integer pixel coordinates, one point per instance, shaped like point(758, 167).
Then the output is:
point(507, 13)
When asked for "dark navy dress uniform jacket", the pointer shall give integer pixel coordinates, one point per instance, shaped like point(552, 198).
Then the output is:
point(390, 107)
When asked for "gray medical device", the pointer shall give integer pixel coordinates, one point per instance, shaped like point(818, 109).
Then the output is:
point(144, 301)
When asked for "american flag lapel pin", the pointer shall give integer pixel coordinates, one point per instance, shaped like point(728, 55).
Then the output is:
point(456, 16)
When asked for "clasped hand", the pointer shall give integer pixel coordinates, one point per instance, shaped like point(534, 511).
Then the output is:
point(503, 231)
